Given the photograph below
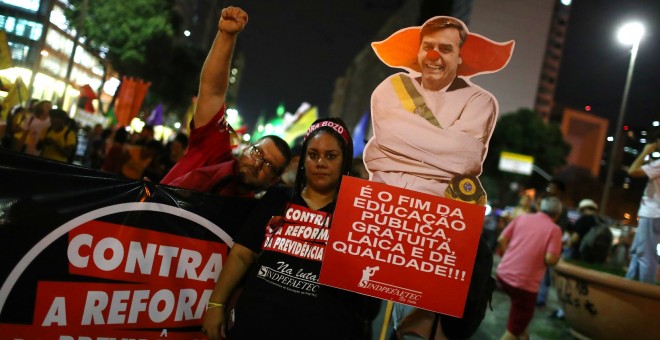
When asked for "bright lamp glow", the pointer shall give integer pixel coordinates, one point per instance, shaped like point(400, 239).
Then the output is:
point(631, 33)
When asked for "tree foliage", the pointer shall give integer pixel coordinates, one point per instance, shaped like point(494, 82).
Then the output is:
point(123, 28)
point(525, 132)
point(137, 37)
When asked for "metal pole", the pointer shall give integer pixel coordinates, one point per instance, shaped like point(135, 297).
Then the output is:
point(541, 172)
point(619, 125)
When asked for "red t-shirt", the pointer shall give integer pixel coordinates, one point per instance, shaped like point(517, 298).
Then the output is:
point(208, 163)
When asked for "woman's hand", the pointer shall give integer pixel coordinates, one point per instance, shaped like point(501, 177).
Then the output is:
point(215, 323)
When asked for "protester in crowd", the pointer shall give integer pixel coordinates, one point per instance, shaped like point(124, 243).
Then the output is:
point(431, 132)
point(492, 226)
point(15, 119)
point(576, 231)
point(291, 309)
point(170, 155)
point(588, 219)
point(114, 157)
point(555, 188)
point(95, 152)
point(145, 136)
point(58, 142)
point(33, 127)
point(530, 243)
point(524, 206)
point(137, 158)
point(208, 165)
point(644, 262)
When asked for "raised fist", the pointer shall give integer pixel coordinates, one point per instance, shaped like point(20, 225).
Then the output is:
point(232, 20)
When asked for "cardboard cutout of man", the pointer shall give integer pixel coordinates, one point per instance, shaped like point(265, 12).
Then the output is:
point(431, 124)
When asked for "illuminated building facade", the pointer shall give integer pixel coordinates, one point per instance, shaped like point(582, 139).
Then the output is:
point(41, 45)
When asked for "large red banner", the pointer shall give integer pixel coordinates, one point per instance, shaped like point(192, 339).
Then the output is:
point(402, 245)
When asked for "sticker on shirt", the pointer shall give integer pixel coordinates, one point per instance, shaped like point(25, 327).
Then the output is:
point(301, 232)
point(291, 278)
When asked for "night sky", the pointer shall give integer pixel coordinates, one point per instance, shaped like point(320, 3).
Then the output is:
point(594, 66)
point(295, 50)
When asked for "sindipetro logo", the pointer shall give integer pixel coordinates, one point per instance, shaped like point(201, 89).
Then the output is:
point(367, 273)
point(387, 290)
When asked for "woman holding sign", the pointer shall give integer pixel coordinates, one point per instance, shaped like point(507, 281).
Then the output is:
point(281, 296)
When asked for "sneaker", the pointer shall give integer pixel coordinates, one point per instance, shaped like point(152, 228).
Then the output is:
point(558, 314)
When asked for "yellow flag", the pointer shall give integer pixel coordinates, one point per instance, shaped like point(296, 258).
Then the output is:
point(300, 126)
point(5, 54)
point(17, 95)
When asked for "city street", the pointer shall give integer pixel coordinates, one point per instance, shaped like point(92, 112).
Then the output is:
point(542, 326)
point(494, 324)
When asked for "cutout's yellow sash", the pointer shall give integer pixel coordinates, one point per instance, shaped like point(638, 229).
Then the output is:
point(411, 99)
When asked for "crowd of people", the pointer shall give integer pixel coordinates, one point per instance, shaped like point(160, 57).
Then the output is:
point(307, 176)
point(532, 236)
point(47, 132)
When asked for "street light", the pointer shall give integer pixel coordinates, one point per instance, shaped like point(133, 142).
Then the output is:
point(629, 34)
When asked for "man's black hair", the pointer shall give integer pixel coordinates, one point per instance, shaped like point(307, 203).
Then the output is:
point(281, 145)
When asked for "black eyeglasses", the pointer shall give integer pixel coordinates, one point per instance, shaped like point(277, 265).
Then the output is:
point(256, 154)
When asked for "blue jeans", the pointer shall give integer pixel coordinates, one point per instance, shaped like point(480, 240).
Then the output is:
point(544, 288)
point(644, 262)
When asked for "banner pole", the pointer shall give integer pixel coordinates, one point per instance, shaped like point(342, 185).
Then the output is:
point(386, 320)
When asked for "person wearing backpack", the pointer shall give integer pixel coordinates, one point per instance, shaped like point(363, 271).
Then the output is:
point(644, 262)
point(588, 234)
point(58, 142)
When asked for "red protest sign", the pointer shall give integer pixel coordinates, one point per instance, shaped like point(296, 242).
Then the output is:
point(402, 245)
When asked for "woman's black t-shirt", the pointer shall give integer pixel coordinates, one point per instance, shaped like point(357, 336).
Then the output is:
point(282, 297)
